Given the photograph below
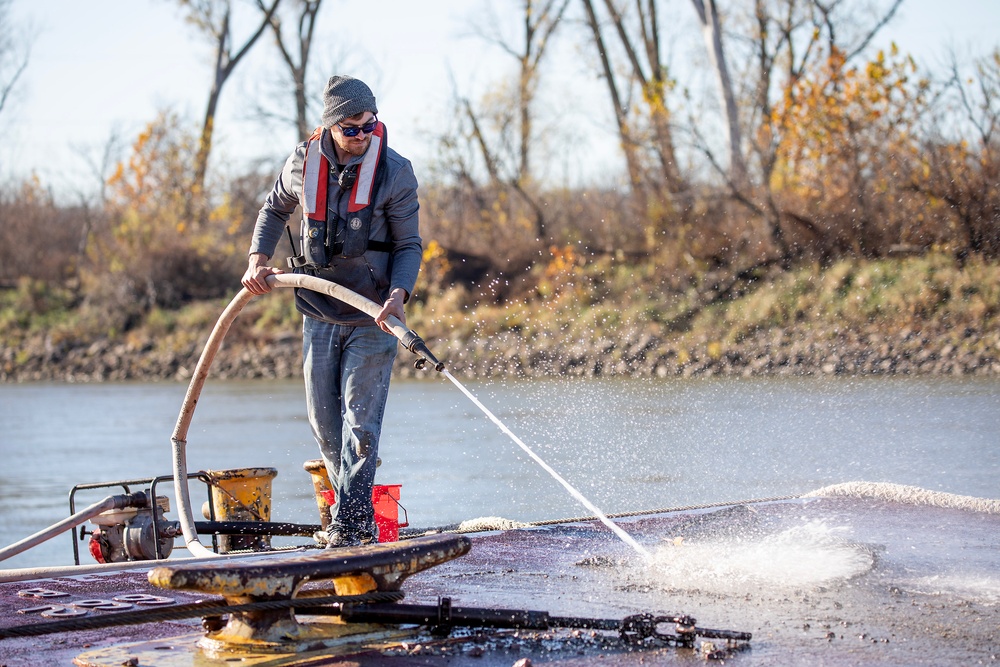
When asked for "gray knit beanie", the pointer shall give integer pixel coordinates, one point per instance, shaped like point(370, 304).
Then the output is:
point(344, 97)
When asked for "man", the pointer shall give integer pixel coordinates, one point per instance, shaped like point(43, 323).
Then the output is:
point(359, 229)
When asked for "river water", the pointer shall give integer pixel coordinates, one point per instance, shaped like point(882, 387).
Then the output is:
point(627, 445)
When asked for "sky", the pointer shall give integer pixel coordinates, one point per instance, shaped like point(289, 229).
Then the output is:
point(99, 67)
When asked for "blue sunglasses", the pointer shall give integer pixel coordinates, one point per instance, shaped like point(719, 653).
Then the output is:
point(355, 130)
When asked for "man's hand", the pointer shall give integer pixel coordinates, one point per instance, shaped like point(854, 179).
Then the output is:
point(255, 278)
point(393, 306)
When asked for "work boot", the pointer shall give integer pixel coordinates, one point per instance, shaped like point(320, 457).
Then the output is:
point(336, 538)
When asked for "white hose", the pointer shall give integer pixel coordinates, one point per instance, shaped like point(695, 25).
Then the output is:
point(109, 503)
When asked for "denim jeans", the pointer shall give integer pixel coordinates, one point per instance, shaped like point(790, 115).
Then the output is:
point(347, 371)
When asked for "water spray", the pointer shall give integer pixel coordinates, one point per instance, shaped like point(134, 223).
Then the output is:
point(625, 537)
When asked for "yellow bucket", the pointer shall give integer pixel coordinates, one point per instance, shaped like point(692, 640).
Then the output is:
point(242, 494)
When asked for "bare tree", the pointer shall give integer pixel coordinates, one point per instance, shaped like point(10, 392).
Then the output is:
point(630, 146)
point(510, 162)
point(708, 16)
point(979, 98)
point(13, 56)
point(965, 175)
point(93, 212)
point(295, 45)
point(639, 35)
point(783, 40)
point(215, 19)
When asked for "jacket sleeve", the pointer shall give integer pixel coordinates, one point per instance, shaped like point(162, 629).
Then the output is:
point(279, 205)
point(402, 212)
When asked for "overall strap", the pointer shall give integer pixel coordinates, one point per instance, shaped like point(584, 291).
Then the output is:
point(315, 178)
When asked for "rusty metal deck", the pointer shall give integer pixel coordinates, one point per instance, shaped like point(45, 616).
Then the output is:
point(867, 591)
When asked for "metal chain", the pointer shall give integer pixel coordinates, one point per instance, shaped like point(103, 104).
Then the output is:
point(191, 610)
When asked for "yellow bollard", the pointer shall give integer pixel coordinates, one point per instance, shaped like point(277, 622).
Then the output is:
point(243, 494)
point(321, 486)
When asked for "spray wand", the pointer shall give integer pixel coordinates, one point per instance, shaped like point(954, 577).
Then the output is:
point(409, 339)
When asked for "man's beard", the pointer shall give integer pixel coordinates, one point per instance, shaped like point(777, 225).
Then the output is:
point(355, 148)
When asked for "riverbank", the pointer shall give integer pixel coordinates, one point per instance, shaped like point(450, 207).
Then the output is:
point(805, 351)
point(920, 316)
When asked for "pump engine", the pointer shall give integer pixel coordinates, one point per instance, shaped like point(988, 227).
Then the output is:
point(128, 534)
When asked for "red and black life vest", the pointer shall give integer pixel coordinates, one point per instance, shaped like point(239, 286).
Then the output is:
point(325, 235)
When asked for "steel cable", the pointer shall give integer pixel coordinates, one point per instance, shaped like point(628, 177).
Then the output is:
point(686, 508)
point(620, 515)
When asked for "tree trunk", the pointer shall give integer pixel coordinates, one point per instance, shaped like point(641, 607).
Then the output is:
point(654, 88)
point(299, 70)
point(712, 32)
point(629, 149)
point(225, 63)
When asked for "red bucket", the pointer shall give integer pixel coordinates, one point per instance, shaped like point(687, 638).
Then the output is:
point(385, 499)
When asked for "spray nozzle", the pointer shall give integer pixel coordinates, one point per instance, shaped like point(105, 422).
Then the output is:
point(415, 344)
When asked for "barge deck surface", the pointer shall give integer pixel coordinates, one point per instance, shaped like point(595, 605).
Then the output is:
point(818, 581)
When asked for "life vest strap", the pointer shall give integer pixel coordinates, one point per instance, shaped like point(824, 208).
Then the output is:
point(300, 262)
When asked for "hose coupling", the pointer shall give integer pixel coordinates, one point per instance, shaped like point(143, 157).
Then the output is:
point(415, 344)
point(139, 500)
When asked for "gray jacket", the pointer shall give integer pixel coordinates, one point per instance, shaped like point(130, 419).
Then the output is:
point(376, 273)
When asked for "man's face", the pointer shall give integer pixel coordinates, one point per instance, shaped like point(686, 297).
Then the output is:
point(357, 144)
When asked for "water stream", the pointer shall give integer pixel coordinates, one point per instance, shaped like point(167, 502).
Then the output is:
point(625, 537)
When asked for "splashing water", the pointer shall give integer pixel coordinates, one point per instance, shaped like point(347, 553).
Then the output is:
point(625, 537)
point(807, 555)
